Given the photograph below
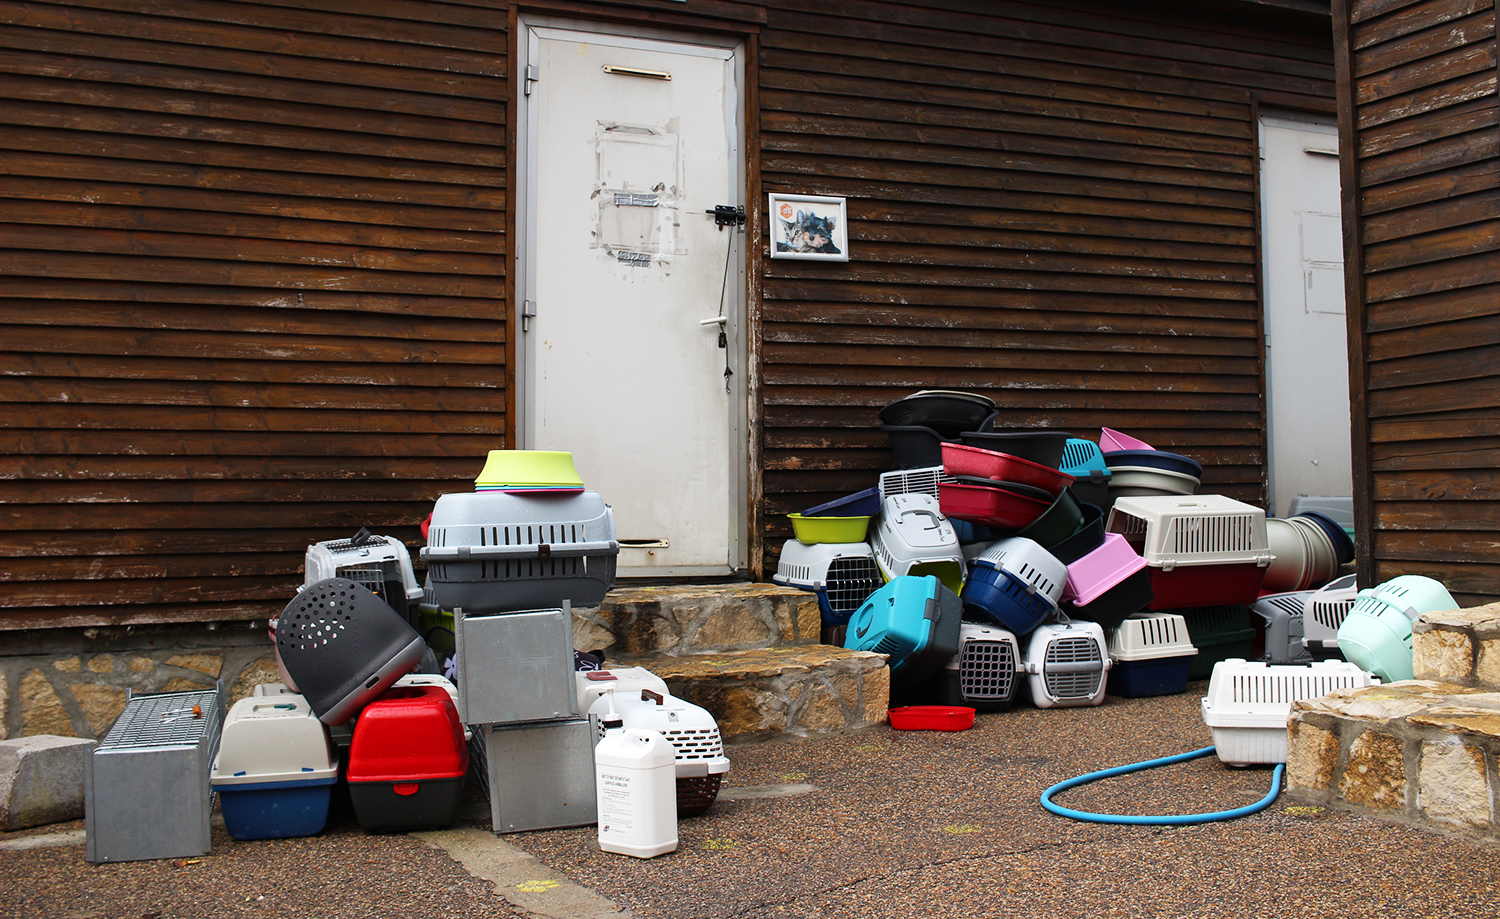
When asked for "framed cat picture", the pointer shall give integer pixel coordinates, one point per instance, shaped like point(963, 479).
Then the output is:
point(809, 227)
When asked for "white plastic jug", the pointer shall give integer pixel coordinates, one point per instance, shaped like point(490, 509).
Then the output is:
point(635, 781)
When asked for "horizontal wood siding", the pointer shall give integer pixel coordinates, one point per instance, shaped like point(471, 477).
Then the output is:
point(254, 292)
point(1053, 204)
point(1420, 112)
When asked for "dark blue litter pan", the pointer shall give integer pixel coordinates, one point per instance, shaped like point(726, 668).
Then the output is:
point(1155, 459)
point(1343, 546)
point(860, 504)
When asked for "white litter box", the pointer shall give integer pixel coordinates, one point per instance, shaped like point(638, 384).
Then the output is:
point(914, 538)
point(843, 575)
point(1066, 664)
point(1248, 703)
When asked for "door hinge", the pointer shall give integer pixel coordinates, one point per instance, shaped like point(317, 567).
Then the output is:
point(528, 312)
point(531, 77)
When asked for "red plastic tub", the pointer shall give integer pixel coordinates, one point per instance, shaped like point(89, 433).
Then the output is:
point(932, 718)
point(1205, 585)
point(407, 761)
point(993, 506)
point(960, 459)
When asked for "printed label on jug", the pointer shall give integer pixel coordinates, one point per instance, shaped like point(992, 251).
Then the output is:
point(615, 811)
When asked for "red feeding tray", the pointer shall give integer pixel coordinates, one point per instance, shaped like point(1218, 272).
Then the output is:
point(991, 506)
point(932, 718)
point(960, 459)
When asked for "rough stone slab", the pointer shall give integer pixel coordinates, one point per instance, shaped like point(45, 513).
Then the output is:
point(1481, 621)
point(41, 780)
point(698, 618)
point(805, 691)
point(1443, 654)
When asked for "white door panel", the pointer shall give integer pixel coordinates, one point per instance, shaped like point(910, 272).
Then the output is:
point(1307, 363)
point(631, 142)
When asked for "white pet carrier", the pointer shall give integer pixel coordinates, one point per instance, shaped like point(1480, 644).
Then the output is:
point(694, 734)
point(843, 575)
point(984, 672)
point(1324, 612)
point(914, 538)
point(1248, 703)
point(1066, 664)
point(380, 563)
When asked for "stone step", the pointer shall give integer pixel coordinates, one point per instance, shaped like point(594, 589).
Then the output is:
point(1416, 751)
point(782, 691)
point(698, 619)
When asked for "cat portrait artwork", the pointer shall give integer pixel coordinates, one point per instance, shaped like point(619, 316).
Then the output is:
point(808, 227)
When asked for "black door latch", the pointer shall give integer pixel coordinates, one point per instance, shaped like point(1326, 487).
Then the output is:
point(728, 215)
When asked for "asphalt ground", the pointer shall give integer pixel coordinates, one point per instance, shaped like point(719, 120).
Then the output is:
point(881, 823)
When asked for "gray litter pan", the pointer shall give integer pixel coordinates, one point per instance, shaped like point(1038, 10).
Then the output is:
point(146, 790)
point(495, 552)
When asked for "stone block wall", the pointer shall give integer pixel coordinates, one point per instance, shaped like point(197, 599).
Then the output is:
point(698, 619)
point(1417, 751)
point(1460, 646)
point(74, 682)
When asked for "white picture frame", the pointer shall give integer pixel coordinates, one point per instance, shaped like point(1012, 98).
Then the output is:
point(812, 227)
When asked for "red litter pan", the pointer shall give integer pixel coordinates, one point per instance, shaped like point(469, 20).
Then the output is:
point(1002, 505)
point(932, 718)
point(960, 459)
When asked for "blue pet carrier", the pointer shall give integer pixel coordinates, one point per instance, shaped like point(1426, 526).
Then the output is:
point(914, 620)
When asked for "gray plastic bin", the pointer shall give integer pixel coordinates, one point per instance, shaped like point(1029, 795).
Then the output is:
point(493, 552)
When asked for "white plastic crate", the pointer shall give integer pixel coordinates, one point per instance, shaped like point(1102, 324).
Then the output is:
point(1324, 612)
point(1066, 664)
point(380, 563)
point(1170, 530)
point(843, 575)
point(914, 538)
point(1030, 563)
point(1248, 703)
point(692, 731)
point(922, 481)
point(1148, 636)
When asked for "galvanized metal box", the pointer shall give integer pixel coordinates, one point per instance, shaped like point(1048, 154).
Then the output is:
point(541, 775)
point(515, 666)
point(146, 791)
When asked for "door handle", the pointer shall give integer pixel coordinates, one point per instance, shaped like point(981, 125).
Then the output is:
point(717, 320)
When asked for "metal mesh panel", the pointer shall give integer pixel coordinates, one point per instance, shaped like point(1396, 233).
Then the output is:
point(851, 580)
point(165, 720)
point(987, 670)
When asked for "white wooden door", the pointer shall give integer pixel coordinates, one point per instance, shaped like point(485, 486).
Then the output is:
point(1307, 357)
point(630, 144)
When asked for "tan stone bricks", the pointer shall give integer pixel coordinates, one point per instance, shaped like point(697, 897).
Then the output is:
point(42, 710)
point(1375, 776)
point(1312, 756)
point(1453, 785)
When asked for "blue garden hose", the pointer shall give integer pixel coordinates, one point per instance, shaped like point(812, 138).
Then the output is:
point(1164, 819)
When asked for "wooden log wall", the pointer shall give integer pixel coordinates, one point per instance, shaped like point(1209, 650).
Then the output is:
point(1053, 204)
point(253, 296)
point(1419, 113)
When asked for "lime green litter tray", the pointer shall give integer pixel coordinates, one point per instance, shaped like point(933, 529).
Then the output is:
point(529, 467)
